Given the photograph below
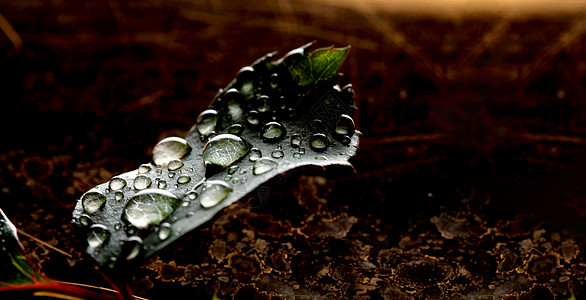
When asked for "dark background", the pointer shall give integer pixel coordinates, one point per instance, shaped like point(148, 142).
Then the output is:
point(477, 117)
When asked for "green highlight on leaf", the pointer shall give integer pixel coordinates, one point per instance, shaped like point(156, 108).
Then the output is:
point(320, 65)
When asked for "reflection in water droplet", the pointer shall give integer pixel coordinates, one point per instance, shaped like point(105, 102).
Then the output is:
point(224, 149)
point(142, 182)
point(318, 142)
point(235, 129)
point(165, 231)
point(183, 179)
point(277, 154)
point(232, 169)
point(206, 122)
point(255, 154)
point(119, 196)
point(345, 126)
point(149, 207)
point(321, 157)
point(252, 118)
point(162, 184)
point(301, 150)
point(295, 141)
point(144, 168)
point(264, 165)
point(272, 132)
point(169, 149)
point(174, 165)
point(85, 220)
point(192, 195)
point(117, 183)
point(98, 235)
point(214, 192)
point(93, 201)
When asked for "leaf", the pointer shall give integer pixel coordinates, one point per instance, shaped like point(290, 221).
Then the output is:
point(272, 118)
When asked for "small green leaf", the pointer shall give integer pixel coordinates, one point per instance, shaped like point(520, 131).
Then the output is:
point(321, 65)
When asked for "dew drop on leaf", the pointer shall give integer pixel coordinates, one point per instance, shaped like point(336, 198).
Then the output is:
point(144, 168)
point(214, 192)
point(252, 118)
point(132, 247)
point(183, 179)
point(175, 164)
point(224, 149)
point(85, 220)
point(117, 183)
point(149, 207)
point(264, 165)
point(255, 154)
point(192, 195)
point(93, 201)
point(206, 122)
point(164, 231)
point(295, 141)
point(235, 129)
point(119, 196)
point(162, 184)
point(98, 235)
point(318, 142)
point(272, 132)
point(232, 169)
point(169, 149)
point(345, 126)
point(321, 157)
point(278, 154)
point(142, 182)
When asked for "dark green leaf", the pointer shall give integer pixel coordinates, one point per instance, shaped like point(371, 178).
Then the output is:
point(275, 116)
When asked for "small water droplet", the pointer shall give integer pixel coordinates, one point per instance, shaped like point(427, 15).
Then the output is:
point(301, 150)
point(183, 179)
point(97, 236)
point(175, 164)
point(272, 132)
point(321, 157)
point(165, 231)
point(295, 141)
point(242, 172)
point(192, 195)
point(117, 183)
point(297, 155)
point(318, 142)
point(206, 122)
point(169, 149)
point(345, 126)
point(149, 207)
point(253, 118)
point(235, 129)
point(171, 175)
point(235, 180)
point(119, 196)
point(162, 184)
point(93, 201)
point(228, 177)
point(232, 169)
point(117, 226)
point(224, 149)
point(255, 154)
point(159, 172)
point(264, 165)
point(132, 247)
point(214, 192)
point(144, 168)
point(142, 182)
point(185, 203)
point(85, 220)
point(278, 154)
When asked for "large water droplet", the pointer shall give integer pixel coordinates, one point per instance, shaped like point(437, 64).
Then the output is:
point(272, 132)
point(149, 207)
point(235, 129)
point(142, 182)
point(233, 100)
point(93, 201)
point(117, 183)
point(345, 126)
point(255, 154)
point(165, 231)
point(264, 165)
point(98, 235)
point(214, 192)
point(295, 141)
point(144, 168)
point(206, 122)
point(245, 78)
point(224, 149)
point(183, 179)
point(169, 149)
point(318, 142)
point(175, 164)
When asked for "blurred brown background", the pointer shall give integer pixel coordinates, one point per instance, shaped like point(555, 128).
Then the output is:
point(464, 92)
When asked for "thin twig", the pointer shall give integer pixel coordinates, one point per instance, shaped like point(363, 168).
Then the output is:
point(43, 243)
point(98, 288)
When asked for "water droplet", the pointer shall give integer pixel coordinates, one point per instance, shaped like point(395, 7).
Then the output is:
point(159, 172)
point(232, 169)
point(183, 179)
point(318, 142)
point(117, 183)
point(295, 141)
point(253, 118)
point(235, 180)
point(169, 149)
point(242, 172)
point(228, 177)
point(149, 207)
point(318, 126)
point(93, 201)
point(97, 236)
point(117, 226)
point(185, 203)
point(301, 150)
point(264, 165)
point(297, 155)
point(233, 99)
point(224, 149)
point(278, 154)
point(321, 157)
point(236, 129)
point(132, 247)
point(255, 154)
point(144, 168)
point(142, 182)
point(206, 122)
point(162, 184)
point(165, 231)
point(192, 195)
point(345, 126)
point(171, 175)
point(214, 192)
point(119, 196)
point(274, 80)
point(245, 78)
point(174, 165)
point(85, 220)
point(272, 132)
